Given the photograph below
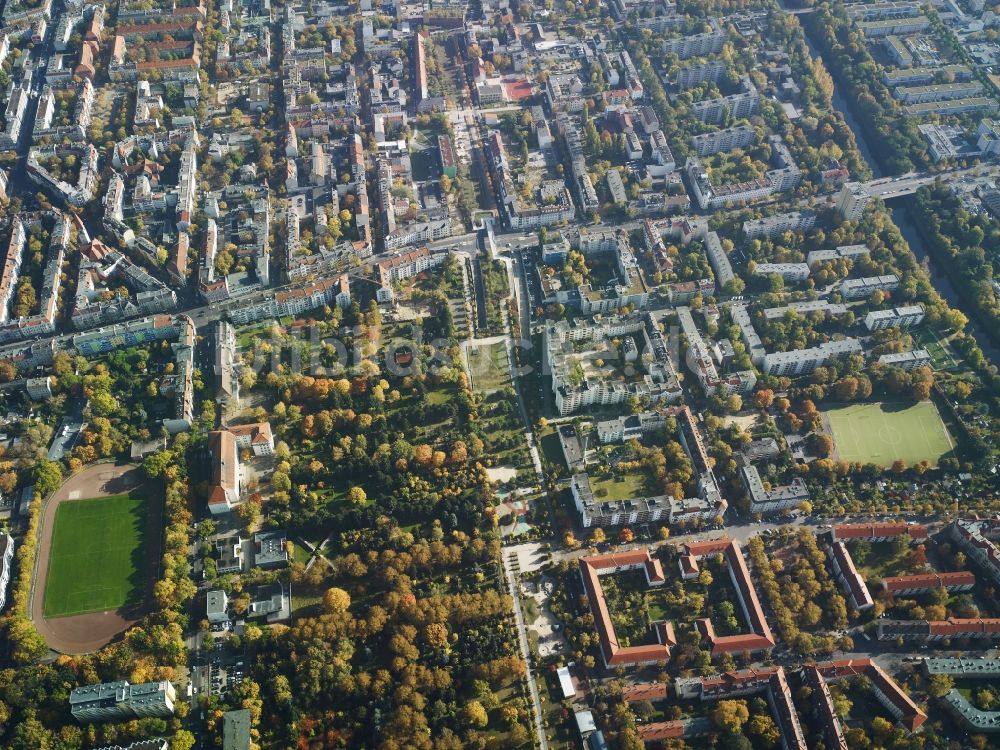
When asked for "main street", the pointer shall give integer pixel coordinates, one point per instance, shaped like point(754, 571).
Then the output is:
point(888, 188)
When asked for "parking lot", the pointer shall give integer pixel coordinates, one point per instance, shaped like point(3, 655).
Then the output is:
point(215, 669)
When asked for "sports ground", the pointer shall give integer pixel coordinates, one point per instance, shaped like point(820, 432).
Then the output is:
point(96, 561)
point(882, 433)
point(98, 547)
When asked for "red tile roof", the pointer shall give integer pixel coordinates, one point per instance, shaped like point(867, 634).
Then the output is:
point(700, 549)
point(928, 581)
point(888, 689)
point(856, 584)
point(661, 730)
point(645, 691)
point(689, 564)
point(614, 653)
point(878, 530)
point(960, 627)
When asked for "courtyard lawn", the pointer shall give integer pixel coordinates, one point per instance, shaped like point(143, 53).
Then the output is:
point(881, 433)
point(489, 367)
point(98, 555)
point(879, 560)
point(619, 486)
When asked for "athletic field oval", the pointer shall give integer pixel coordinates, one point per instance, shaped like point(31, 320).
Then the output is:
point(99, 543)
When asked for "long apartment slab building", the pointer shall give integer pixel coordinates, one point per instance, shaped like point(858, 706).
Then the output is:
point(111, 701)
point(696, 45)
point(897, 317)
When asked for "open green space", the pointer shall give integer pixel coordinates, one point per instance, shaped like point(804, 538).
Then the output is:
point(619, 486)
point(938, 346)
point(489, 367)
point(551, 449)
point(98, 555)
point(421, 162)
point(877, 561)
point(882, 433)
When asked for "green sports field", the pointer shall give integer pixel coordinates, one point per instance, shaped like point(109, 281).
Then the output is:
point(97, 561)
point(881, 433)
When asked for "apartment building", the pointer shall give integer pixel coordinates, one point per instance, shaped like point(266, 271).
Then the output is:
point(791, 273)
point(988, 136)
point(823, 709)
point(739, 105)
point(224, 487)
point(882, 10)
point(77, 194)
point(952, 582)
point(759, 637)
point(952, 106)
point(771, 681)
point(224, 366)
point(851, 289)
point(776, 499)
point(616, 187)
point(101, 266)
point(613, 652)
point(932, 631)
point(721, 141)
point(660, 151)
point(815, 257)
point(110, 701)
point(418, 232)
point(809, 308)
point(572, 392)
point(898, 51)
point(407, 265)
point(716, 196)
point(877, 532)
point(17, 103)
point(887, 691)
point(804, 361)
point(969, 536)
point(923, 75)
point(696, 45)
point(187, 182)
point(969, 717)
point(852, 200)
point(778, 224)
point(44, 321)
point(897, 317)
point(906, 360)
point(634, 426)
point(698, 358)
point(12, 266)
point(846, 574)
point(694, 75)
point(751, 339)
point(893, 26)
point(937, 92)
point(256, 437)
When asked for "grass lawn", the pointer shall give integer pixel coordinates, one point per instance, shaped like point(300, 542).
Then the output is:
point(300, 553)
point(619, 486)
point(881, 561)
point(551, 449)
point(881, 433)
point(489, 367)
point(98, 555)
point(421, 163)
point(937, 346)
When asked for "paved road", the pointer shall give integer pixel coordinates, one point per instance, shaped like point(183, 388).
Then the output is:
point(907, 184)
